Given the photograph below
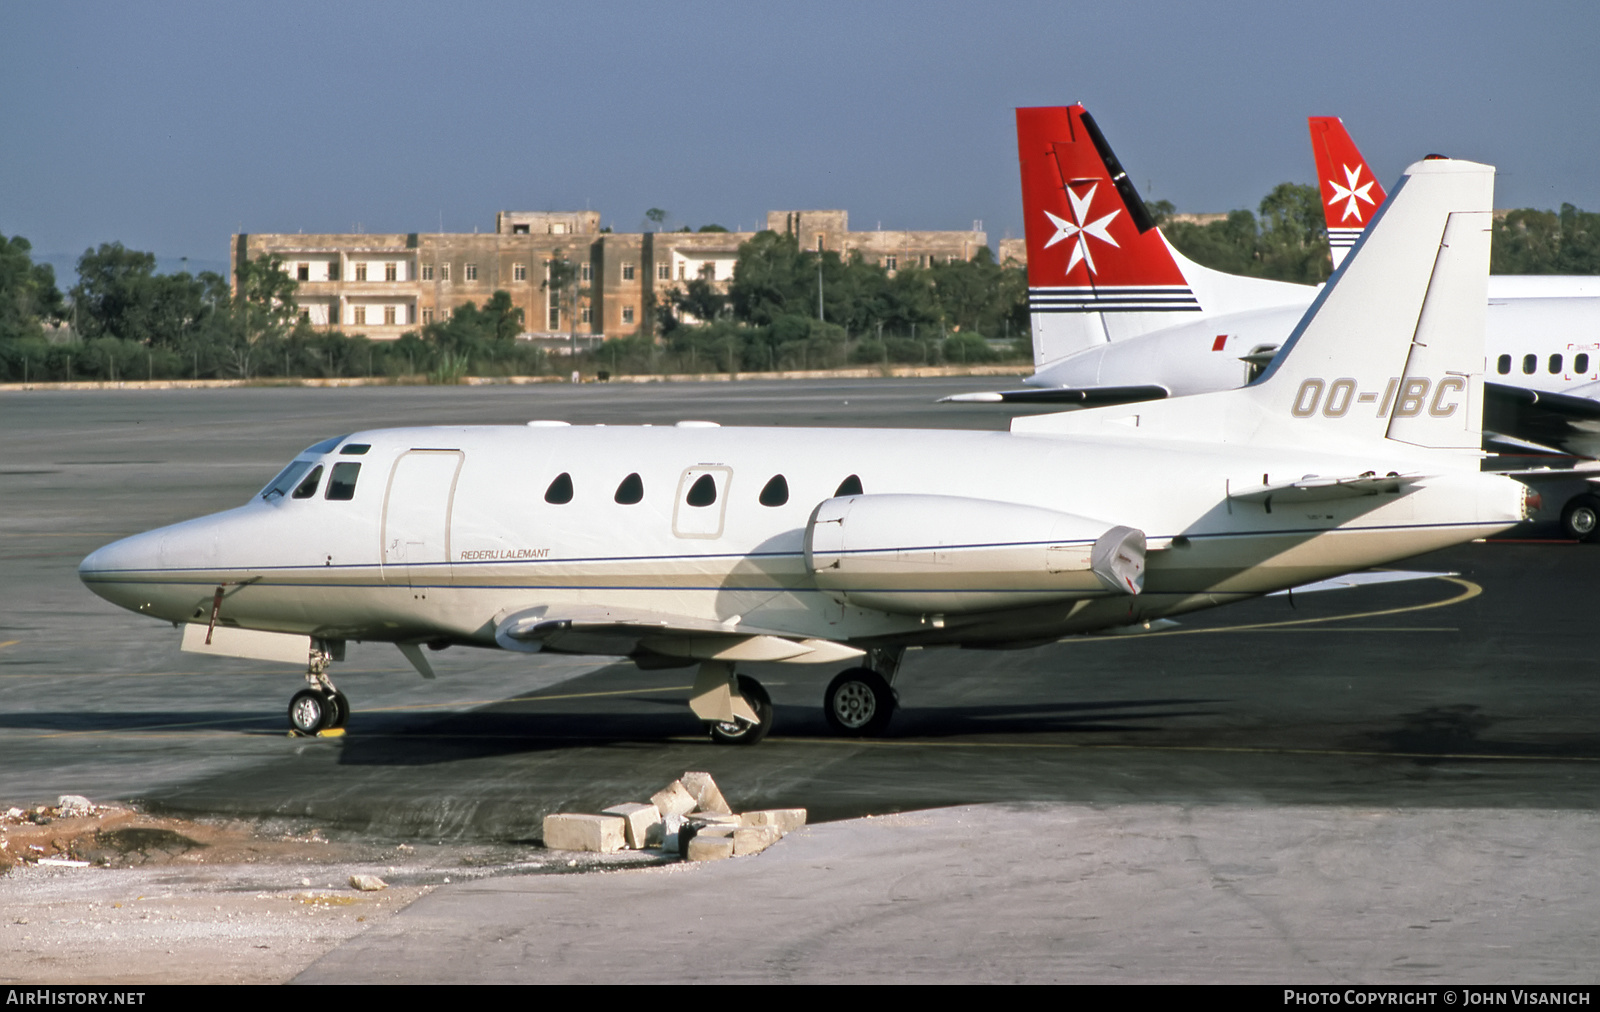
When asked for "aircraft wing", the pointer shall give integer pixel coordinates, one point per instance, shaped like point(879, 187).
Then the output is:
point(1083, 397)
point(1554, 423)
point(666, 640)
point(1322, 488)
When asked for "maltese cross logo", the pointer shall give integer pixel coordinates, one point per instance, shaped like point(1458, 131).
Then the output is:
point(1351, 193)
point(1066, 230)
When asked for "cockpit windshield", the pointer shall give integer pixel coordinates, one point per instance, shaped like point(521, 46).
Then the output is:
point(289, 476)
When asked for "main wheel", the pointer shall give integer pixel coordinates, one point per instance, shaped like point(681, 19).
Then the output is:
point(1580, 518)
point(859, 703)
point(740, 732)
point(310, 711)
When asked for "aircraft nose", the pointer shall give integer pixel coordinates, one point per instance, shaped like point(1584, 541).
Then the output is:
point(111, 571)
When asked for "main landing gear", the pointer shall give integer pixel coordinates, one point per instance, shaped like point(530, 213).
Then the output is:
point(735, 708)
point(319, 707)
point(1580, 519)
point(861, 701)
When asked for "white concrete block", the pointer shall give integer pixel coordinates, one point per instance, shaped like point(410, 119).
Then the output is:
point(639, 822)
point(603, 834)
point(710, 848)
point(754, 839)
point(785, 819)
point(673, 799)
point(706, 795)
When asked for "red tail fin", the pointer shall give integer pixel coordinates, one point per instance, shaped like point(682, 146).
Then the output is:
point(1350, 192)
point(1092, 246)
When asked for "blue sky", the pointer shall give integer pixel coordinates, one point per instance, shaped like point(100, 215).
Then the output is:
point(169, 126)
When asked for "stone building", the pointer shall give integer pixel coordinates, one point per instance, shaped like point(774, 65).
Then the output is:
point(386, 285)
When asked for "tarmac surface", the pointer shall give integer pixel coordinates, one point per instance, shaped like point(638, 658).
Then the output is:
point(1329, 736)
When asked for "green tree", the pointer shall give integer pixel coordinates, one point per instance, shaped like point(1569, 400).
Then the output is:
point(28, 293)
point(1528, 241)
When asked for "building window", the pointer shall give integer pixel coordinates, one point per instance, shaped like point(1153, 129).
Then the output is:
point(305, 316)
point(820, 243)
point(627, 272)
point(519, 272)
point(303, 272)
point(682, 269)
point(361, 271)
point(361, 316)
point(627, 314)
point(444, 272)
point(586, 271)
point(663, 272)
point(519, 230)
point(427, 272)
point(427, 316)
point(558, 228)
point(388, 316)
point(708, 270)
point(586, 314)
point(333, 271)
point(391, 272)
point(471, 273)
point(891, 263)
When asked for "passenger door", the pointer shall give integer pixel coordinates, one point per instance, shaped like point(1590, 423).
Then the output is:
point(416, 518)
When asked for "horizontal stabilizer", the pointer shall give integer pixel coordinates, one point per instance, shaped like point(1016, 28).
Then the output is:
point(1088, 397)
point(1322, 488)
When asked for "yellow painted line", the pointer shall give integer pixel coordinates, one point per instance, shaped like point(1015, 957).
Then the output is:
point(9, 643)
point(1469, 591)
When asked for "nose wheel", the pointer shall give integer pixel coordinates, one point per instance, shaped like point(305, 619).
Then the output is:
point(315, 710)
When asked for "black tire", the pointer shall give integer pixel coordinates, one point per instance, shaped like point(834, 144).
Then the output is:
point(859, 703)
point(1580, 519)
point(340, 704)
point(310, 711)
point(739, 732)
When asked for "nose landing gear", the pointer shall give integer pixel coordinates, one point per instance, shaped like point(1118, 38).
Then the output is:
point(319, 707)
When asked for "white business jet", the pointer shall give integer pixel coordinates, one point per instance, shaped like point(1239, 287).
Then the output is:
point(708, 546)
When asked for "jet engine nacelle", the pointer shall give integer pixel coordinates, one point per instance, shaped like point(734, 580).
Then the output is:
point(939, 554)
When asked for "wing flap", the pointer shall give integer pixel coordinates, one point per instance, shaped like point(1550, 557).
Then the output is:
point(1083, 397)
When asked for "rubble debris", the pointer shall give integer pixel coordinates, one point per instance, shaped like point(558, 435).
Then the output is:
point(367, 883)
point(673, 799)
point(707, 797)
point(642, 824)
point(70, 806)
point(601, 834)
point(691, 808)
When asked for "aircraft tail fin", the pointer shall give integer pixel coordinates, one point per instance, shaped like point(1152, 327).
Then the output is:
point(1351, 194)
point(1099, 269)
point(1392, 348)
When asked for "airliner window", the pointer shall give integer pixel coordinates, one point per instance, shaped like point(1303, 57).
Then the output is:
point(560, 491)
point(1530, 364)
point(775, 492)
point(354, 449)
point(308, 488)
point(1504, 365)
point(1580, 363)
point(703, 492)
point(285, 480)
point(631, 490)
point(850, 486)
point(342, 482)
point(1555, 364)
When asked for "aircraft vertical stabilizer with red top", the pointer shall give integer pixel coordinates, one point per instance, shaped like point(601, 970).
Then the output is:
point(1350, 192)
point(1099, 270)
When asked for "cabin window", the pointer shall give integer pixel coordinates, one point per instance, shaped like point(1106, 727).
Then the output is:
point(1504, 364)
point(775, 492)
point(703, 492)
point(308, 488)
point(560, 491)
point(631, 490)
point(850, 486)
point(354, 449)
point(342, 482)
point(1530, 364)
point(1555, 364)
point(1580, 363)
